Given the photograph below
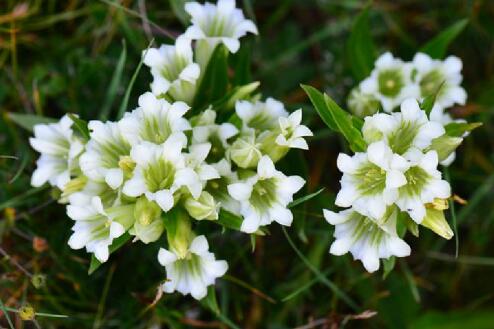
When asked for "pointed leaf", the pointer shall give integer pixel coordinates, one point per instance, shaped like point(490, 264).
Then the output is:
point(28, 121)
point(457, 129)
point(360, 49)
point(437, 47)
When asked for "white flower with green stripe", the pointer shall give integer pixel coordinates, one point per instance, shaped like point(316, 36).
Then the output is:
point(174, 72)
point(430, 74)
point(367, 239)
point(106, 155)
point(154, 120)
point(404, 131)
point(264, 197)
point(206, 130)
point(161, 171)
point(59, 149)
point(95, 226)
point(423, 185)
point(390, 82)
point(218, 188)
point(214, 24)
point(259, 115)
point(371, 180)
point(193, 272)
point(362, 104)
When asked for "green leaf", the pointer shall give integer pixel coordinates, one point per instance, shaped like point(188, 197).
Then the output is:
point(227, 102)
point(115, 82)
point(428, 102)
point(80, 125)
point(360, 48)
point(305, 198)
point(178, 7)
point(388, 266)
point(229, 220)
point(214, 84)
point(457, 129)
point(117, 244)
point(28, 121)
point(242, 65)
point(457, 319)
point(125, 99)
point(437, 47)
point(336, 118)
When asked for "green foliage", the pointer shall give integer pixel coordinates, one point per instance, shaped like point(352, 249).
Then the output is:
point(64, 57)
point(214, 84)
point(360, 48)
point(437, 47)
point(117, 244)
point(337, 119)
point(28, 121)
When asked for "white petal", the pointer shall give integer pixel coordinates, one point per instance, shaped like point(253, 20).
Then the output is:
point(341, 246)
point(240, 191)
point(199, 245)
point(281, 215)
point(265, 167)
point(164, 199)
point(165, 257)
point(114, 178)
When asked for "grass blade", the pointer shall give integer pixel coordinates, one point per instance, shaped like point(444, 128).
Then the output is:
point(342, 295)
point(115, 81)
point(453, 213)
point(125, 100)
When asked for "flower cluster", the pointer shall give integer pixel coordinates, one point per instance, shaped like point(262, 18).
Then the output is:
point(392, 186)
point(393, 80)
point(166, 164)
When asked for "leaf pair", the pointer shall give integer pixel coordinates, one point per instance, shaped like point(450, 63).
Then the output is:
point(337, 119)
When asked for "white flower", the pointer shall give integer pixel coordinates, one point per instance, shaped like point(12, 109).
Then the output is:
point(371, 180)
point(218, 23)
point(293, 132)
point(365, 238)
point(245, 151)
point(390, 82)
point(423, 185)
point(154, 120)
point(218, 188)
point(193, 273)
point(264, 197)
point(195, 160)
point(362, 104)
point(259, 115)
point(430, 74)
point(160, 172)
point(403, 131)
point(174, 72)
point(205, 130)
point(59, 150)
point(96, 227)
point(104, 151)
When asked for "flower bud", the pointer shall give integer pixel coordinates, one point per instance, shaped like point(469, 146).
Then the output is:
point(179, 232)
point(148, 226)
point(271, 148)
point(149, 232)
point(245, 151)
point(145, 211)
point(445, 145)
point(435, 221)
point(362, 104)
point(205, 207)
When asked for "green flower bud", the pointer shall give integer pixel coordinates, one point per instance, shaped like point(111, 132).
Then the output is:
point(179, 232)
point(271, 148)
point(245, 151)
point(149, 232)
point(445, 145)
point(205, 207)
point(145, 211)
point(361, 104)
point(435, 221)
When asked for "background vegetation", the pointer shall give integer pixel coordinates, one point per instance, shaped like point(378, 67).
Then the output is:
point(61, 56)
